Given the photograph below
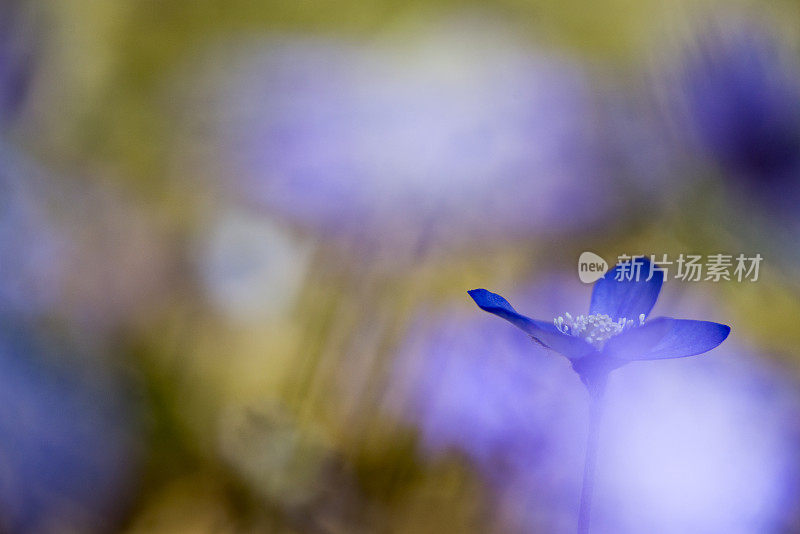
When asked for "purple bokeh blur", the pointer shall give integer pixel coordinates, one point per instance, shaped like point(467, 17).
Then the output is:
point(465, 132)
point(742, 95)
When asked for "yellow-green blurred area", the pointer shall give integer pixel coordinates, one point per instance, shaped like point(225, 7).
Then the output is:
point(236, 239)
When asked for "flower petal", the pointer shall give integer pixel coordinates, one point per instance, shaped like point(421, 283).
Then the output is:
point(542, 332)
point(630, 345)
point(618, 296)
point(683, 338)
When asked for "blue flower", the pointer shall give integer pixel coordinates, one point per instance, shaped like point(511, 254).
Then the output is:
point(68, 435)
point(469, 386)
point(669, 431)
point(616, 330)
point(742, 93)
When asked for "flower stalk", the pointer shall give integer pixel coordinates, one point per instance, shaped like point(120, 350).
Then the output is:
point(596, 401)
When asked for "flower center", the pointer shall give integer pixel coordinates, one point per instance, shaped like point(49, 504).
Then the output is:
point(596, 328)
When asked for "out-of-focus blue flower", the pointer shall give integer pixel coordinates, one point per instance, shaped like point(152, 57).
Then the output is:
point(701, 445)
point(478, 389)
point(464, 132)
point(67, 445)
point(615, 331)
point(742, 95)
point(483, 390)
point(19, 47)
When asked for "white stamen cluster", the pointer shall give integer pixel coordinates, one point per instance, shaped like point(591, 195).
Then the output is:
point(596, 328)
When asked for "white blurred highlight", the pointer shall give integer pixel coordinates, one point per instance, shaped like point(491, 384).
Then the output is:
point(250, 267)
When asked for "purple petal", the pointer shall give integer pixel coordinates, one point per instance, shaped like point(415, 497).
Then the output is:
point(683, 338)
point(617, 296)
point(542, 332)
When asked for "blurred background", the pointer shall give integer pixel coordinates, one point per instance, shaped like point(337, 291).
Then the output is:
point(236, 239)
